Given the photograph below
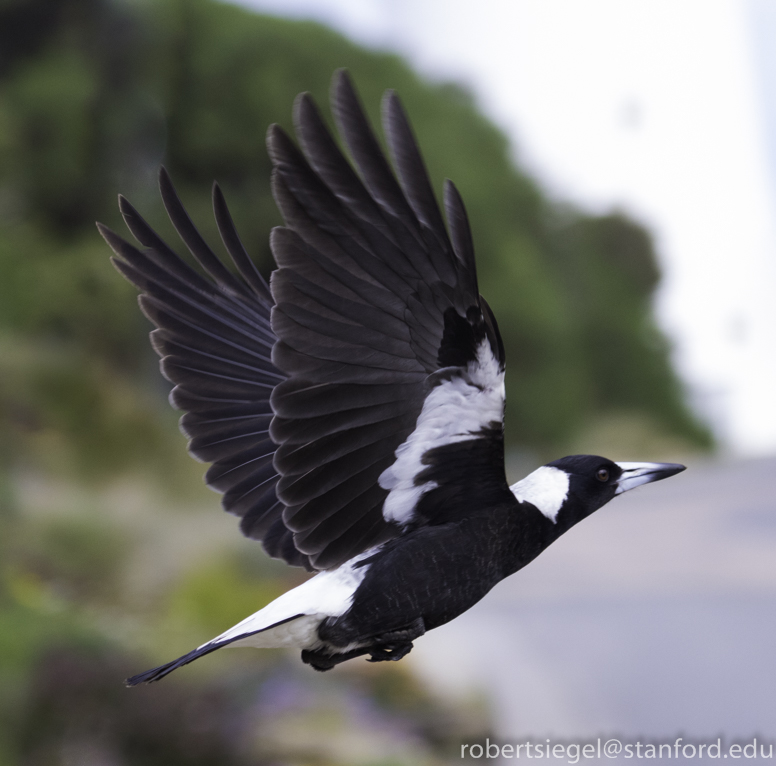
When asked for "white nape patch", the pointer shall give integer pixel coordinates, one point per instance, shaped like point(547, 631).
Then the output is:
point(453, 411)
point(547, 488)
point(328, 594)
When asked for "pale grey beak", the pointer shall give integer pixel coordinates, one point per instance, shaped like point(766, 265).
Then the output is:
point(636, 474)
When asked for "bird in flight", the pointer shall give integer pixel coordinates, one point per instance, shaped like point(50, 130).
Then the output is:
point(352, 411)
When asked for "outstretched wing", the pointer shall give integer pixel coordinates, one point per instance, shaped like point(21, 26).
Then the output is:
point(364, 402)
point(215, 340)
point(392, 357)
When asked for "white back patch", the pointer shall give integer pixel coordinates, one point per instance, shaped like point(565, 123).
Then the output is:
point(454, 411)
point(547, 488)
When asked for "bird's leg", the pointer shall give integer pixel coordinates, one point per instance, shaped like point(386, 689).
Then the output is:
point(389, 646)
point(395, 644)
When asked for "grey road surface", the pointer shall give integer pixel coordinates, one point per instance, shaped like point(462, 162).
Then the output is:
point(654, 618)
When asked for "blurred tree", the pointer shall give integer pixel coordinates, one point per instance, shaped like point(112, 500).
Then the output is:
point(609, 270)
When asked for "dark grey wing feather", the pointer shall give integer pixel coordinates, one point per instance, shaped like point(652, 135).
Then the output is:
point(194, 241)
point(369, 158)
point(215, 340)
point(235, 248)
point(417, 188)
point(461, 235)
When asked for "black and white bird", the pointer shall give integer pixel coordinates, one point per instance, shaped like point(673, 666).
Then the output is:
point(353, 410)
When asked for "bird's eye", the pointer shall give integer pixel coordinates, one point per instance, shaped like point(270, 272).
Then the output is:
point(602, 475)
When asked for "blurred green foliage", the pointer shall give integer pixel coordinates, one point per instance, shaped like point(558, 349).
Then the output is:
point(101, 92)
point(221, 593)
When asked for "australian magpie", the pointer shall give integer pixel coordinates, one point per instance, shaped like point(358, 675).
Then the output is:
point(353, 409)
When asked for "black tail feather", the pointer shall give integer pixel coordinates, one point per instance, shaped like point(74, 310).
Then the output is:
point(156, 673)
point(149, 676)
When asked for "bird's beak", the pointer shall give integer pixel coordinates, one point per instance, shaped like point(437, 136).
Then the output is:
point(636, 474)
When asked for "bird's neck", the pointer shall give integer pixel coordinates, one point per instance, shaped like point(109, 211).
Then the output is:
point(530, 532)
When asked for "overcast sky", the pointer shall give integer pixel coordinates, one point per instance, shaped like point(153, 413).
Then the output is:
point(663, 108)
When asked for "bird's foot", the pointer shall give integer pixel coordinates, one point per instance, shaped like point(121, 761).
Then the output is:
point(395, 644)
point(389, 652)
point(385, 647)
point(319, 660)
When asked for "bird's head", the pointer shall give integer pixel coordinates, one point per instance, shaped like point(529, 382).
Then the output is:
point(569, 489)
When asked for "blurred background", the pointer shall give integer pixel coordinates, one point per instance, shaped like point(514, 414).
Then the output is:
point(617, 160)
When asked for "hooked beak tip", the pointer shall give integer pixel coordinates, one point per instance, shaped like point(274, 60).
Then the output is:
point(636, 474)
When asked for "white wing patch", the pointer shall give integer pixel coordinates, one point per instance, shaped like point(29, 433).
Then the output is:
point(454, 411)
point(547, 488)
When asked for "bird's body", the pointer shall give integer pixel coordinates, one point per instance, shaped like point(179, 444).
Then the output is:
point(384, 599)
point(353, 413)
